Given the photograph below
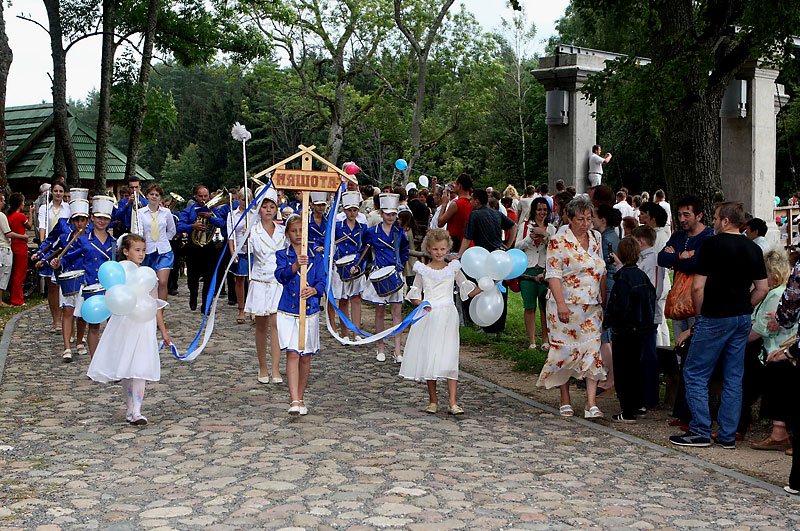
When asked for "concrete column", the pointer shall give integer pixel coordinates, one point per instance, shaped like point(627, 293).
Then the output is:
point(569, 146)
point(747, 148)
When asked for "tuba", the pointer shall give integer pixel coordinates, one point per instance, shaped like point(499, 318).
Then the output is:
point(201, 238)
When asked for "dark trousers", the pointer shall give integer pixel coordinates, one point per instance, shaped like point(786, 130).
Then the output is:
point(649, 361)
point(752, 383)
point(175, 273)
point(200, 264)
point(628, 371)
point(229, 278)
point(794, 425)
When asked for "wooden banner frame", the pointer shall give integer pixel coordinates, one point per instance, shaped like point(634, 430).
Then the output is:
point(305, 180)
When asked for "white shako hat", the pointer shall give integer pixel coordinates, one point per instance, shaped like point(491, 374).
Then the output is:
point(102, 206)
point(270, 194)
point(79, 207)
point(319, 198)
point(389, 203)
point(351, 199)
point(78, 193)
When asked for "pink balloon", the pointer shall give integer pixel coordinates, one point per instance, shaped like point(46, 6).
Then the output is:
point(352, 168)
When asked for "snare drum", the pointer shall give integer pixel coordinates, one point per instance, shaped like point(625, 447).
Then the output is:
point(343, 266)
point(70, 282)
point(91, 291)
point(386, 280)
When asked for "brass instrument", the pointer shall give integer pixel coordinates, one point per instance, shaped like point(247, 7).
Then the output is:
point(201, 238)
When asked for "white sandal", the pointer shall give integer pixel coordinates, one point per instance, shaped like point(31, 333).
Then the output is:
point(566, 410)
point(545, 346)
point(67, 356)
point(592, 413)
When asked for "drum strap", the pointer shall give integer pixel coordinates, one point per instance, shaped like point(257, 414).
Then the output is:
point(396, 241)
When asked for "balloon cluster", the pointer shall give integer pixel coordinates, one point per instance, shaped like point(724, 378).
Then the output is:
point(487, 307)
point(128, 289)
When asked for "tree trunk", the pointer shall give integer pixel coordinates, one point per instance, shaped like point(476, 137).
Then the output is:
point(139, 112)
point(6, 56)
point(60, 114)
point(691, 152)
point(104, 115)
point(336, 131)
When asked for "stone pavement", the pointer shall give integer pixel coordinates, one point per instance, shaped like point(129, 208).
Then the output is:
point(221, 452)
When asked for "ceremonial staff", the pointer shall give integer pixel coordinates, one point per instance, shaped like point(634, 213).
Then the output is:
point(241, 134)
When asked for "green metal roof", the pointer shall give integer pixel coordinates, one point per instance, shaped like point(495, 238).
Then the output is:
point(30, 146)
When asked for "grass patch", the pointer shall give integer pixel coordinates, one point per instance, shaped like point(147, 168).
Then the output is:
point(7, 313)
point(512, 344)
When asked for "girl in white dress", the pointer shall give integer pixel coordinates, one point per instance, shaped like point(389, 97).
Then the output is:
point(433, 342)
point(128, 350)
point(266, 238)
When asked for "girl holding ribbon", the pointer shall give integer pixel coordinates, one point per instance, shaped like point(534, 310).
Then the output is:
point(157, 226)
point(49, 214)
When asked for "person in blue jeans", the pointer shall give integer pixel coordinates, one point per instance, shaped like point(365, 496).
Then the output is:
point(724, 302)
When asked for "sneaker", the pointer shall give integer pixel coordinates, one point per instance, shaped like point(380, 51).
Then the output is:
point(619, 417)
point(690, 439)
point(728, 445)
point(381, 356)
point(641, 412)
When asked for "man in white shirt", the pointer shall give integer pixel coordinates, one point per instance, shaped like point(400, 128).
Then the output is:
point(622, 205)
point(660, 199)
point(755, 229)
point(439, 199)
point(596, 162)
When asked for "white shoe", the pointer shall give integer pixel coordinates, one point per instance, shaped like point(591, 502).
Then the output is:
point(276, 380)
point(67, 356)
point(303, 410)
point(398, 359)
point(357, 338)
point(294, 407)
point(82, 349)
point(532, 346)
point(381, 356)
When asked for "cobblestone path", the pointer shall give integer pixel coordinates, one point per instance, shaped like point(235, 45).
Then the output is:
point(221, 452)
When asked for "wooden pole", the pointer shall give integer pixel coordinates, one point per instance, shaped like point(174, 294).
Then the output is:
point(301, 341)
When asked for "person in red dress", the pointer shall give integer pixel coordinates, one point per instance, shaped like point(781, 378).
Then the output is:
point(18, 222)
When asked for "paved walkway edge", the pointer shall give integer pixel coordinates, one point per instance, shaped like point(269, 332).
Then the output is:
point(775, 489)
point(8, 332)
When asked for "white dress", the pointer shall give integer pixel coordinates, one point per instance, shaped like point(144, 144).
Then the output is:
point(127, 349)
point(264, 292)
point(432, 346)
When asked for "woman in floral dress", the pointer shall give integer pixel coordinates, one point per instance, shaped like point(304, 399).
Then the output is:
point(576, 275)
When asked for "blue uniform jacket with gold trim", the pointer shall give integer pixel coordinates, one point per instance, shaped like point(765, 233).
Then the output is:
point(383, 246)
point(88, 253)
point(189, 216)
point(316, 233)
point(290, 298)
point(354, 240)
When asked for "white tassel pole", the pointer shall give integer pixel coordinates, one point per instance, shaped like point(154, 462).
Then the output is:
point(240, 133)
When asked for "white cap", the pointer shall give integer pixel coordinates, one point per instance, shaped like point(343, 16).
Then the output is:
point(102, 206)
point(78, 193)
point(79, 207)
point(319, 198)
point(351, 199)
point(389, 203)
point(270, 194)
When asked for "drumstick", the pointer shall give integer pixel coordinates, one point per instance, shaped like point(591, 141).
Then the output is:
point(340, 240)
point(363, 254)
point(66, 248)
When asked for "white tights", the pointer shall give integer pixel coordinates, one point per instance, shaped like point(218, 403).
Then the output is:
point(133, 390)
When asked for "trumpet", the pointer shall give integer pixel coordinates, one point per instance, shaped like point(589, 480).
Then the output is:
point(201, 238)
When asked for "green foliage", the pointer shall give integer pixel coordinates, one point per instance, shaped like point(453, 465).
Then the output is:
point(180, 174)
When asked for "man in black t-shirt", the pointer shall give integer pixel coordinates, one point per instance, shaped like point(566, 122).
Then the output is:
point(727, 266)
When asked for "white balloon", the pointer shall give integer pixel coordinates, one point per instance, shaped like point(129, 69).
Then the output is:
point(130, 268)
point(490, 307)
point(473, 262)
point(145, 309)
point(473, 310)
point(485, 283)
point(409, 186)
point(423, 181)
point(143, 280)
point(499, 264)
point(120, 299)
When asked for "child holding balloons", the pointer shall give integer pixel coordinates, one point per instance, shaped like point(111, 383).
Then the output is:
point(128, 350)
point(433, 342)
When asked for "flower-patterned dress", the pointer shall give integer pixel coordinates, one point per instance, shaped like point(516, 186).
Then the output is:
point(574, 346)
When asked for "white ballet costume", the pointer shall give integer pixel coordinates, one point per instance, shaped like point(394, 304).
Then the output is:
point(264, 292)
point(432, 346)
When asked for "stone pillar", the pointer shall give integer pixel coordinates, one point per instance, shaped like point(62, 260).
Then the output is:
point(569, 146)
point(747, 148)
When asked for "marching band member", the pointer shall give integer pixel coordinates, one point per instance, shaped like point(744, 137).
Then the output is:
point(266, 239)
point(390, 248)
point(350, 241)
point(241, 264)
point(318, 221)
point(200, 260)
point(71, 304)
point(287, 271)
point(49, 214)
point(157, 226)
point(122, 214)
point(90, 251)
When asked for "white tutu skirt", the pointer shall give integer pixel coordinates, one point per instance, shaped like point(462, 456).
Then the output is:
point(421, 361)
point(127, 349)
point(370, 295)
point(346, 289)
point(71, 301)
point(263, 298)
point(289, 333)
